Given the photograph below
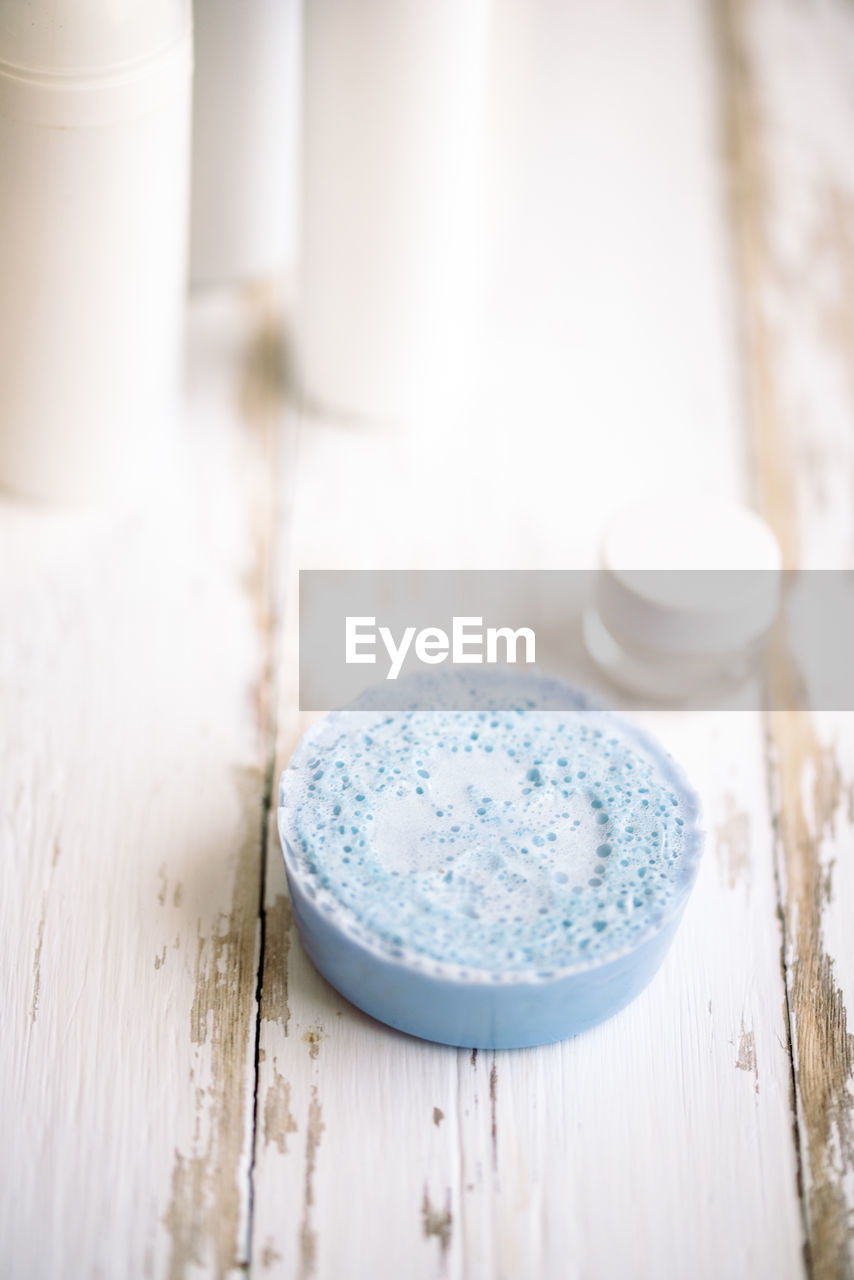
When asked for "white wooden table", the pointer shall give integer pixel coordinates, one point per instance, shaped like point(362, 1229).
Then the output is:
point(181, 1095)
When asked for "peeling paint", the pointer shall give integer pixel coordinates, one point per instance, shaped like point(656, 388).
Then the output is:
point(746, 1059)
point(277, 945)
point(37, 952)
point(307, 1234)
point(312, 1037)
point(211, 1190)
point(438, 1116)
point(809, 796)
point(36, 961)
point(270, 1255)
point(266, 370)
point(437, 1222)
point(732, 843)
point(837, 314)
point(164, 884)
point(263, 384)
point(805, 773)
point(160, 960)
point(183, 1220)
point(278, 1120)
point(208, 1189)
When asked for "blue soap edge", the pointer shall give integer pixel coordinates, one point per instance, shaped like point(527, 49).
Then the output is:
point(457, 975)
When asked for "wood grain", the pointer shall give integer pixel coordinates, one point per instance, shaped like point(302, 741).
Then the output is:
point(661, 1143)
point(671, 234)
point(134, 768)
point(792, 182)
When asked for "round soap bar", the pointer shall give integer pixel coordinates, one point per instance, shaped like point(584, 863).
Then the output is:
point(501, 875)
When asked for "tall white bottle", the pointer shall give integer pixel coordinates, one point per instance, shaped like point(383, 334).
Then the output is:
point(94, 158)
point(245, 102)
point(393, 109)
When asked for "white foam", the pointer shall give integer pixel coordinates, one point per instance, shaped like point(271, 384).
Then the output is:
point(496, 839)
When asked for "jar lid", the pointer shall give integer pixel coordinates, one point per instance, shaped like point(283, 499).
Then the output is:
point(88, 37)
point(689, 576)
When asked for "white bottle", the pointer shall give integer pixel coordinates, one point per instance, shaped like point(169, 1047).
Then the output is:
point(245, 101)
point(393, 109)
point(94, 153)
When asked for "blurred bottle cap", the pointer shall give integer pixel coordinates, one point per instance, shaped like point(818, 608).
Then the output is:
point(691, 575)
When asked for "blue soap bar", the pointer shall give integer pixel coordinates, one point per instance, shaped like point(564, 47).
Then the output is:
point(496, 876)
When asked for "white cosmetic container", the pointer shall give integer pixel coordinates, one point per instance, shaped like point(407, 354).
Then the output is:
point(245, 102)
point(687, 592)
point(393, 110)
point(94, 152)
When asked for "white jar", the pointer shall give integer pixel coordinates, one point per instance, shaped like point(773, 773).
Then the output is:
point(393, 105)
point(94, 149)
point(686, 594)
point(245, 102)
